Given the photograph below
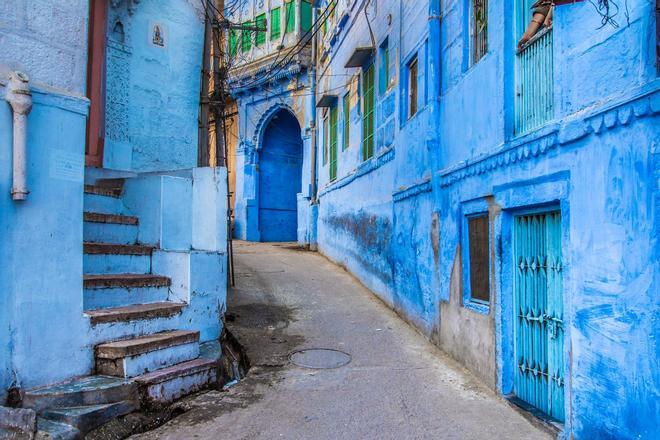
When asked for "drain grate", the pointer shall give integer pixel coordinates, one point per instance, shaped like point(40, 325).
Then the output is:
point(320, 358)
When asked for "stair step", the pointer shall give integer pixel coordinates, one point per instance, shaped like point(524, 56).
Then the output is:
point(87, 418)
point(51, 430)
point(107, 264)
point(133, 357)
point(89, 390)
point(135, 312)
point(116, 219)
point(103, 191)
point(171, 383)
point(116, 249)
point(145, 344)
point(110, 233)
point(127, 280)
point(94, 299)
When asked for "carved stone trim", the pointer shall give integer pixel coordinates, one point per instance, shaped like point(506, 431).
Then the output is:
point(555, 136)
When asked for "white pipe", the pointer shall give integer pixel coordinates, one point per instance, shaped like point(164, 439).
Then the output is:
point(20, 99)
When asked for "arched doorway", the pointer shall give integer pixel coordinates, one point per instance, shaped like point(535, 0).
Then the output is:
point(280, 171)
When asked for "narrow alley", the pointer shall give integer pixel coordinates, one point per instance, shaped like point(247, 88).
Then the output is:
point(396, 386)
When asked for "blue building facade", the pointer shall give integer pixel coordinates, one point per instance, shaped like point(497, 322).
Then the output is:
point(503, 200)
point(119, 236)
point(271, 140)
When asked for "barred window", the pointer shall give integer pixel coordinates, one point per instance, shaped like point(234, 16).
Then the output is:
point(479, 29)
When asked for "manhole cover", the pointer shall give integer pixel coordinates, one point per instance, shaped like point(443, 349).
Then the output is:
point(320, 358)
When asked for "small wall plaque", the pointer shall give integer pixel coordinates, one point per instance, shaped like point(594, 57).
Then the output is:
point(157, 35)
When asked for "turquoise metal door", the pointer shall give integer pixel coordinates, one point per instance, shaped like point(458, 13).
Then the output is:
point(539, 324)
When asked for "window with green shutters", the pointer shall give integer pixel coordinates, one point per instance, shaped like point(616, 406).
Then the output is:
point(289, 16)
point(384, 70)
point(368, 116)
point(347, 121)
point(261, 23)
point(246, 38)
point(233, 42)
point(275, 24)
point(326, 130)
point(333, 143)
point(306, 15)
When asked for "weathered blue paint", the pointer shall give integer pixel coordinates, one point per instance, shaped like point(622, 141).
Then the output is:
point(280, 170)
point(152, 99)
point(397, 221)
point(42, 262)
point(259, 97)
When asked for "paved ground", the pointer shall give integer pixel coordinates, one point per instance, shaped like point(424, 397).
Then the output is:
point(397, 386)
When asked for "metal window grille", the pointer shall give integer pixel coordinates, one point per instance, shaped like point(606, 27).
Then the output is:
point(479, 245)
point(261, 23)
point(479, 29)
point(289, 16)
point(538, 308)
point(275, 24)
point(368, 115)
point(412, 88)
point(246, 38)
point(534, 74)
point(333, 143)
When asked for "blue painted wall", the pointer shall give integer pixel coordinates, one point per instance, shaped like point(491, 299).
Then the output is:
point(152, 103)
point(153, 91)
point(596, 160)
point(41, 278)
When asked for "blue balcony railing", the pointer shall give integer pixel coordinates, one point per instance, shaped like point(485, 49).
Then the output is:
point(534, 83)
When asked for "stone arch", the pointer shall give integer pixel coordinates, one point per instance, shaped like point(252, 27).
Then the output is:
point(264, 120)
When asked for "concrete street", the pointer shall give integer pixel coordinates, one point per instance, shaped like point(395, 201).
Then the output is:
point(397, 385)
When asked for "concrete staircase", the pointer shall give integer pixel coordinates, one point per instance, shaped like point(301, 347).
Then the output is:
point(143, 352)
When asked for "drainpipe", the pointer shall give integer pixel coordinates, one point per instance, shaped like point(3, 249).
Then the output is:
point(20, 100)
point(435, 64)
point(312, 112)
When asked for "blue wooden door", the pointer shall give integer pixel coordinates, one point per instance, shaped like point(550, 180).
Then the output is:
point(280, 168)
point(539, 322)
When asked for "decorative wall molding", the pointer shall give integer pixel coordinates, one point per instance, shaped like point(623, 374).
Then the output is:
point(265, 118)
point(53, 97)
point(624, 112)
point(412, 191)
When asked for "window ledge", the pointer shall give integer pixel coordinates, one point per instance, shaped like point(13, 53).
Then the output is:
point(478, 307)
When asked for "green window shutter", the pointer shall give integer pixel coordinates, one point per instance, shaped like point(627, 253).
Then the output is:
point(368, 116)
point(384, 72)
point(261, 23)
point(333, 142)
point(233, 42)
point(246, 38)
point(325, 140)
point(306, 15)
point(289, 16)
point(347, 120)
point(275, 24)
